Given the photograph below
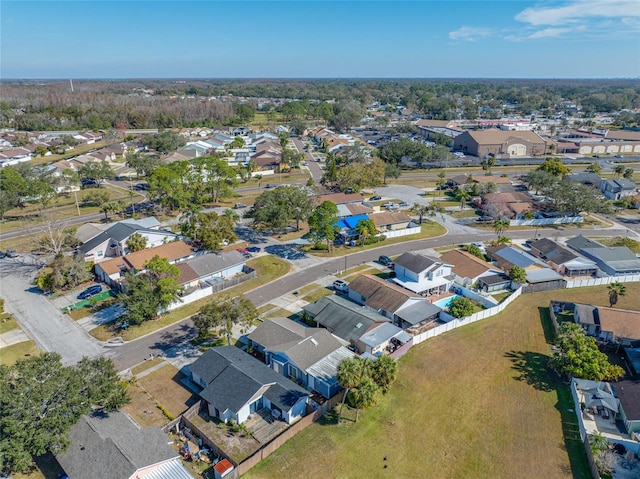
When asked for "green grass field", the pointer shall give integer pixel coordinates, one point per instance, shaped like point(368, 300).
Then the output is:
point(477, 402)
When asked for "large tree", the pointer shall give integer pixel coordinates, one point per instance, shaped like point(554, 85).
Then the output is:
point(210, 230)
point(366, 228)
point(275, 208)
point(96, 170)
point(148, 292)
point(323, 223)
point(40, 399)
point(555, 167)
point(460, 307)
point(222, 316)
point(164, 142)
point(577, 354)
point(540, 179)
point(518, 274)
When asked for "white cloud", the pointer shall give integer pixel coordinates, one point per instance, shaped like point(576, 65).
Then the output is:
point(548, 32)
point(577, 11)
point(470, 34)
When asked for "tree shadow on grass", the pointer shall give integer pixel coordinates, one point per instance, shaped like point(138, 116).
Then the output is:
point(531, 367)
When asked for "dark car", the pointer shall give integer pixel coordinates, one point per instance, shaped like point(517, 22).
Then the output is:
point(90, 291)
point(375, 198)
point(270, 185)
point(142, 186)
point(385, 260)
point(88, 183)
point(253, 249)
point(11, 253)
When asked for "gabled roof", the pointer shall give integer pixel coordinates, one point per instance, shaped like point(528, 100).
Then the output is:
point(350, 222)
point(628, 392)
point(214, 262)
point(466, 265)
point(380, 294)
point(552, 251)
point(343, 318)
point(418, 311)
point(340, 198)
point(117, 232)
point(493, 136)
point(619, 258)
point(623, 323)
point(415, 262)
point(508, 255)
point(276, 331)
point(112, 446)
point(234, 377)
point(580, 242)
point(380, 334)
point(390, 218)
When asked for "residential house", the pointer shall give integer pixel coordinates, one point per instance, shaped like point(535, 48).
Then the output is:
point(467, 269)
point(113, 241)
point(14, 156)
point(210, 269)
point(500, 143)
point(340, 198)
point(612, 260)
point(608, 324)
point(309, 356)
point(384, 338)
point(461, 180)
point(112, 270)
point(391, 221)
point(236, 385)
point(618, 188)
point(510, 256)
point(422, 274)
point(508, 205)
point(494, 282)
point(348, 225)
point(353, 209)
point(342, 318)
point(112, 446)
point(628, 393)
point(587, 179)
point(561, 259)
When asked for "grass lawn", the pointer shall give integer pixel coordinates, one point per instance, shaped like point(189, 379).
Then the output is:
point(351, 271)
point(268, 268)
point(160, 387)
point(466, 213)
point(431, 229)
point(501, 296)
point(490, 410)
point(317, 294)
point(11, 354)
point(7, 323)
point(633, 245)
point(307, 288)
point(279, 313)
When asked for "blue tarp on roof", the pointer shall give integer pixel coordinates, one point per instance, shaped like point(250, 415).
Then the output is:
point(350, 222)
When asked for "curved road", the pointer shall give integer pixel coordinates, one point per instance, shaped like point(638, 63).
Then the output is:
point(168, 339)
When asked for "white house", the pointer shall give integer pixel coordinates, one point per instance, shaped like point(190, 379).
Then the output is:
point(422, 274)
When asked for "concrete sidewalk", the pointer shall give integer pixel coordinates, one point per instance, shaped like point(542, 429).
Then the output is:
point(12, 337)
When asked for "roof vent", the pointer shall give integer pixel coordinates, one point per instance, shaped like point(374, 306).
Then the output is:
point(358, 325)
point(315, 343)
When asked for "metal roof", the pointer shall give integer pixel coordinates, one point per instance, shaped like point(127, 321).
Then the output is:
point(327, 368)
point(380, 334)
point(542, 275)
point(418, 312)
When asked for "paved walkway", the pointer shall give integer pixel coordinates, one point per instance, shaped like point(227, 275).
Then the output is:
point(13, 337)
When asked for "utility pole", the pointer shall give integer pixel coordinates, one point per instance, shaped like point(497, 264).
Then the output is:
point(75, 193)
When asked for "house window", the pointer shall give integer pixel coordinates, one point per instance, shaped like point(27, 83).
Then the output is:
point(255, 406)
point(439, 272)
point(293, 371)
point(363, 298)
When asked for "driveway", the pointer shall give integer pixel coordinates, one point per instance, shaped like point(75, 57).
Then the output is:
point(42, 321)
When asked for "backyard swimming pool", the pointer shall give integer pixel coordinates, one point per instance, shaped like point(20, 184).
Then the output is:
point(444, 302)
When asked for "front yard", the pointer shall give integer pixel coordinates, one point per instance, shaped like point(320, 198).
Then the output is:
point(477, 402)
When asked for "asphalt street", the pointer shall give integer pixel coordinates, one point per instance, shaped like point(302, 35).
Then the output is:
point(48, 327)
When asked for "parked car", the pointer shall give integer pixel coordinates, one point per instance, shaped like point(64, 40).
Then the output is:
point(11, 253)
point(142, 186)
point(403, 204)
point(90, 291)
point(485, 218)
point(253, 249)
point(2, 255)
point(270, 185)
point(392, 206)
point(375, 198)
point(239, 205)
point(242, 250)
point(340, 286)
point(88, 183)
point(619, 156)
point(385, 260)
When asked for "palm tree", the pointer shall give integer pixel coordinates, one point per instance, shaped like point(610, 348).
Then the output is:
point(350, 373)
point(365, 395)
point(500, 225)
point(615, 290)
point(420, 210)
point(463, 196)
point(384, 371)
point(108, 207)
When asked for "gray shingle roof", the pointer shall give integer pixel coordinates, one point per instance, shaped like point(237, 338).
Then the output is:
point(117, 232)
point(233, 377)
point(212, 263)
point(415, 262)
point(343, 318)
point(517, 257)
point(112, 446)
point(418, 312)
point(619, 258)
point(580, 242)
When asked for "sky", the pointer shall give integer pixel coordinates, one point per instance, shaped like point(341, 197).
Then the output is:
point(320, 39)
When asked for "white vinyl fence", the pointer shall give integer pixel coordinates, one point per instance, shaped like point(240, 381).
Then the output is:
point(403, 232)
point(582, 283)
point(456, 323)
point(547, 221)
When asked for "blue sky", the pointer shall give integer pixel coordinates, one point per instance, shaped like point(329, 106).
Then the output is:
point(265, 39)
